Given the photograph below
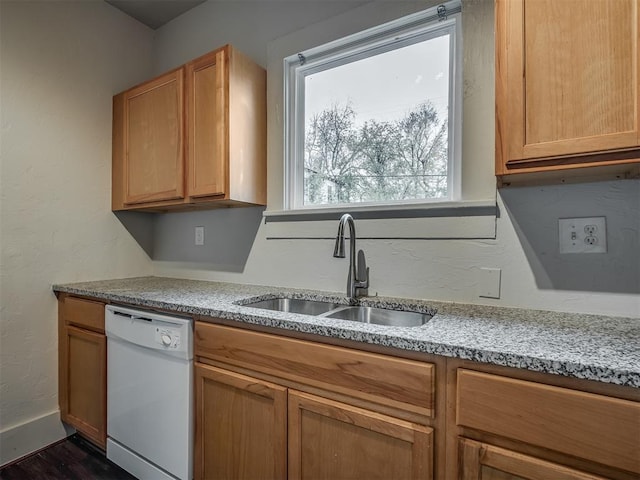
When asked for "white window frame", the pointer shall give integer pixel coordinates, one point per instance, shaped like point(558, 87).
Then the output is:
point(405, 31)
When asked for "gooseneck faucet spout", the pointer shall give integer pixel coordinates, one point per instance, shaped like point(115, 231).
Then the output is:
point(358, 278)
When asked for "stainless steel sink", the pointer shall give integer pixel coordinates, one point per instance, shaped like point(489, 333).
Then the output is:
point(380, 316)
point(295, 305)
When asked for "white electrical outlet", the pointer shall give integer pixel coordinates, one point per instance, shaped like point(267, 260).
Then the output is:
point(199, 235)
point(489, 282)
point(583, 235)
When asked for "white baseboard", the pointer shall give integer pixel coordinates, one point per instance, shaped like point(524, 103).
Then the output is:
point(30, 436)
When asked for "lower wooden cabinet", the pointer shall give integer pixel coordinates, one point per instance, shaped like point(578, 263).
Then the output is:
point(241, 429)
point(274, 407)
point(508, 425)
point(332, 440)
point(82, 350)
point(481, 461)
point(269, 407)
point(243, 432)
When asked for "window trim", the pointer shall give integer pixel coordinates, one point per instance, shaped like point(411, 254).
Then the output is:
point(389, 36)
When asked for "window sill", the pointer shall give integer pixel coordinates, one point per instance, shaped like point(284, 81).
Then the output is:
point(446, 220)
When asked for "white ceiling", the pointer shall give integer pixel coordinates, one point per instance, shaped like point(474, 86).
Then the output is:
point(154, 13)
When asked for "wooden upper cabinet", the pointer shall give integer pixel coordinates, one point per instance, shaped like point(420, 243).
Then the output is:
point(195, 136)
point(153, 135)
point(207, 102)
point(566, 84)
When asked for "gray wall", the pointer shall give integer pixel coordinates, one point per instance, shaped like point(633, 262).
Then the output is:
point(534, 213)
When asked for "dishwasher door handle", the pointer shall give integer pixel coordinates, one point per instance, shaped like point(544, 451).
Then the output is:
point(132, 317)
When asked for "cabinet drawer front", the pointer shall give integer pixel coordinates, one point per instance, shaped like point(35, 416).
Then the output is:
point(83, 313)
point(380, 379)
point(595, 427)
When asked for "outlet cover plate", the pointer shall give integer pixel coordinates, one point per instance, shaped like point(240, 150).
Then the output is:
point(489, 282)
point(582, 235)
point(199, 234)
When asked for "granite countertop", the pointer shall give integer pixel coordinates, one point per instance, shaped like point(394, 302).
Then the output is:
point(593, 347)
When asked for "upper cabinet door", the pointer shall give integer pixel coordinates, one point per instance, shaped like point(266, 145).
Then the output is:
point(566, 80)
point(207, 125)
point(153, 140)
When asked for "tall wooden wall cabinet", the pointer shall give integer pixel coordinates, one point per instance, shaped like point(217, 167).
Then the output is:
point(566, 84)
point(82, 365)
point(195, 136)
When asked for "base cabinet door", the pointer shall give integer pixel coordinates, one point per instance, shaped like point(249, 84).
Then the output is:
point(82, 367)
point(83, 374)
point(332, 440)
point(481, 461)
point(240, 426)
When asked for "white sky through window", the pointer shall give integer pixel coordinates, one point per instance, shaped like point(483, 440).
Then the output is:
point(387, 86)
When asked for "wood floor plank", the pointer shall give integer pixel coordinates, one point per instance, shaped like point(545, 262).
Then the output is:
point(72, 459)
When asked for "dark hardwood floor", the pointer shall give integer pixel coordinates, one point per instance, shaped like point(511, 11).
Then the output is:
point(72, 459)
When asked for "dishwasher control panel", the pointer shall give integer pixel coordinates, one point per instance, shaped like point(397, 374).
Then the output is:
point(172, 335)
point(168, 337)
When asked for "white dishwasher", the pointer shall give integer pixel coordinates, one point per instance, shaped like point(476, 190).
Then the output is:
point(149, 393)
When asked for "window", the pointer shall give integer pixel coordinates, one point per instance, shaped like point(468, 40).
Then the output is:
point(375, 118)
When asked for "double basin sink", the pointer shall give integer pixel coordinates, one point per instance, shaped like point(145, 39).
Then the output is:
point(378, 316)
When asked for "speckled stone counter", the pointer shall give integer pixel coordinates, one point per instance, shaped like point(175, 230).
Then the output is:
point(605, 349)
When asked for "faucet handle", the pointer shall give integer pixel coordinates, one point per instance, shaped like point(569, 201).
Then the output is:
point(362, 274)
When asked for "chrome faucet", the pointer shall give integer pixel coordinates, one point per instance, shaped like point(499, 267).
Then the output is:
point(358, 278)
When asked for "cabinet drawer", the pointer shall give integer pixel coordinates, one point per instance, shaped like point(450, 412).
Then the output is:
point(83, 313)
point(392, 382)
point(602, 429)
